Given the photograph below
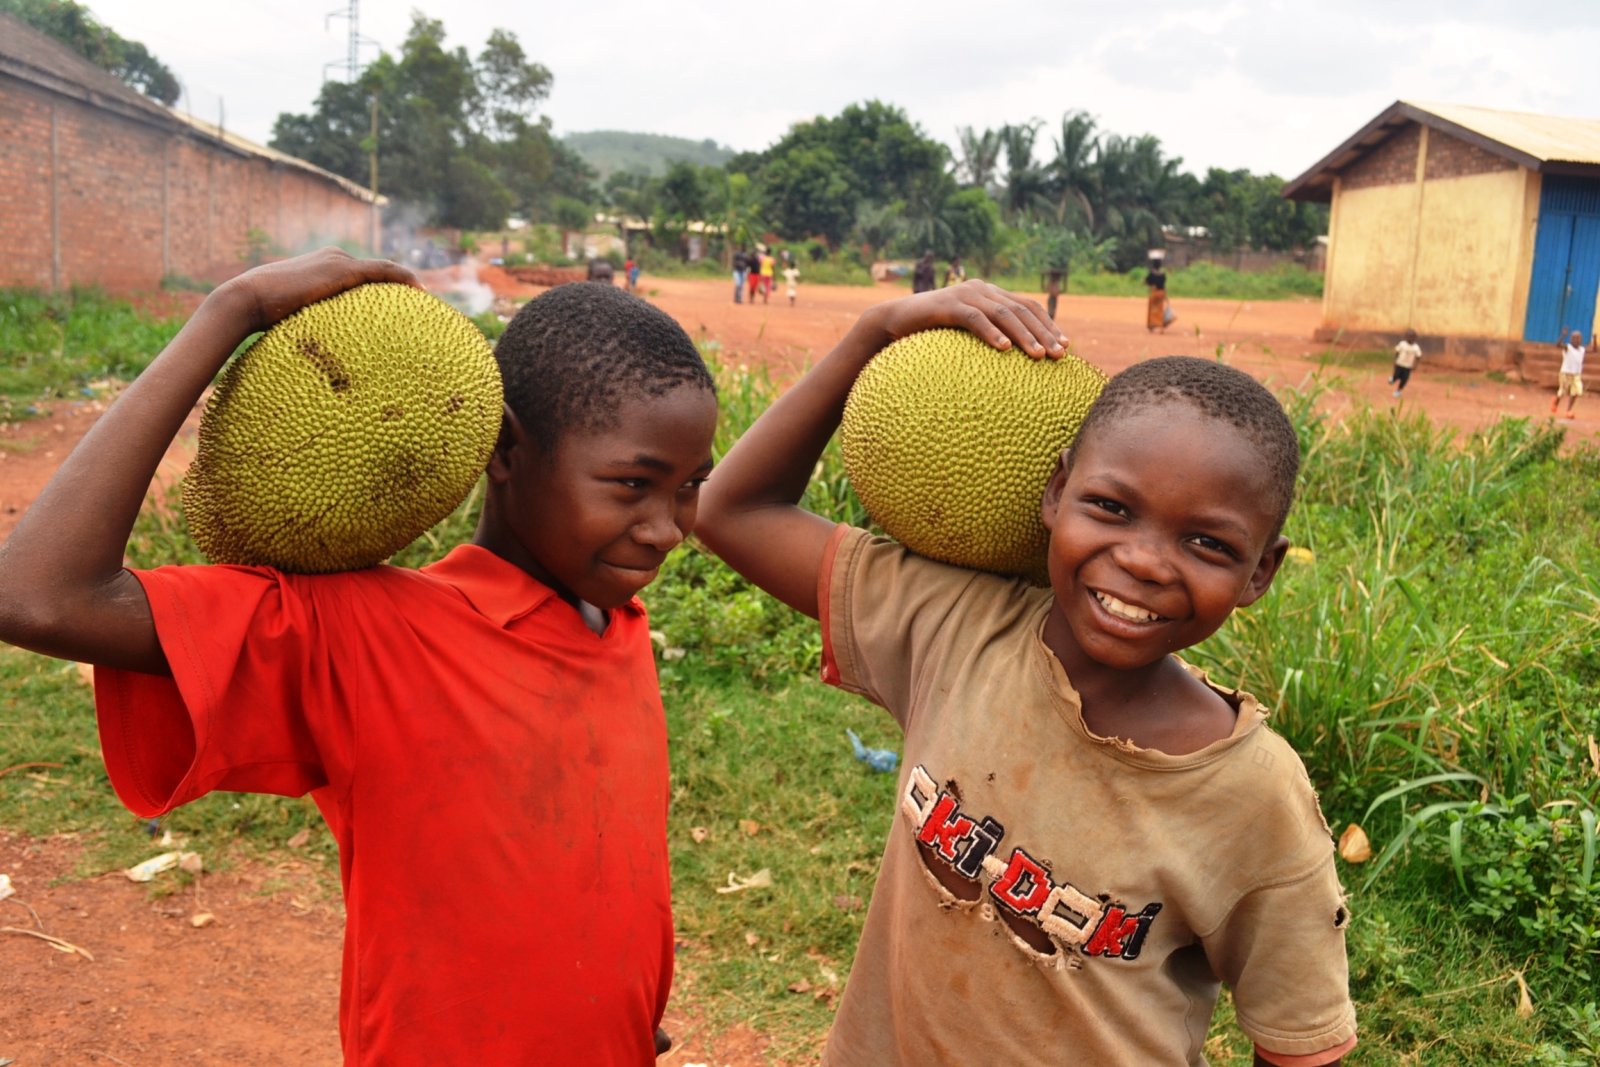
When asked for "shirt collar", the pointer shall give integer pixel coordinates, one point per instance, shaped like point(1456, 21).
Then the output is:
point(498, 590)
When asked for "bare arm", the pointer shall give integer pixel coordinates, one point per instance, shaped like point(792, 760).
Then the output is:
point(748, 511)
point(63, 589)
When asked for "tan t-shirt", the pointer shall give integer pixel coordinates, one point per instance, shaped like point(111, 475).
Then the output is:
point(1102, 890)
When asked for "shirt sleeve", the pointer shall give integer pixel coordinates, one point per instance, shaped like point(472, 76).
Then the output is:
point(247, 662)
point(884, 613)
point(1282, 950)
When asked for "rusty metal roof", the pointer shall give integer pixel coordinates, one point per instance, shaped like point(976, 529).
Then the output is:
point(1552, 144)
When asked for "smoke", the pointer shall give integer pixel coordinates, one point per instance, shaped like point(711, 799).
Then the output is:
point(460, 286)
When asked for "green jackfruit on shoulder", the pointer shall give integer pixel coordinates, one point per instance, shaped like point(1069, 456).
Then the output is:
point(949, 443)
point(343, 433)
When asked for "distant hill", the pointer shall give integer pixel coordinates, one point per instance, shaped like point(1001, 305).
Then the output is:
point(610, 150)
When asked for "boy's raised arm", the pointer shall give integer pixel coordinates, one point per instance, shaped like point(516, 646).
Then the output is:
point(749, 513)
point(63, 589)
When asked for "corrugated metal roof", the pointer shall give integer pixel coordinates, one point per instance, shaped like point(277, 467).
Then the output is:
point(1546, 143)
point(1548, 138)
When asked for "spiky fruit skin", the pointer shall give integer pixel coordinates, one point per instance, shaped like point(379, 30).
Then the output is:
point(343, 433)
point(949, 443)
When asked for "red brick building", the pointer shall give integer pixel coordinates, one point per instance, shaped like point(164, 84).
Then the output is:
point(100, 185)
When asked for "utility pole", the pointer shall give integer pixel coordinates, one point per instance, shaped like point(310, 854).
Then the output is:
point(352, 70)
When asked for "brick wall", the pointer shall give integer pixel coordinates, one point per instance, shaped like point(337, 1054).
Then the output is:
point(89, 196)
point(1393, 162)
point(1451, 157)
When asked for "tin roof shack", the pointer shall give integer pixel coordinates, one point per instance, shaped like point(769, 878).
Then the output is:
point(100, 185)
point(1480, 229)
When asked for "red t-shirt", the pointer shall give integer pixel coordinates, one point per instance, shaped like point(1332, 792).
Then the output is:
point(495, 774)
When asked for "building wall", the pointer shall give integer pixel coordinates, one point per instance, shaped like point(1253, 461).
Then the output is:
point(91, 197)
point(1442, 248)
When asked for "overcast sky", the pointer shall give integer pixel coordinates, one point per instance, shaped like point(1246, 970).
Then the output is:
point(1271, 85)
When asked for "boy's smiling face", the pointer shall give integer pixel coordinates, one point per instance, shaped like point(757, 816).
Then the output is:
point(595, 518)
point(1163, 525)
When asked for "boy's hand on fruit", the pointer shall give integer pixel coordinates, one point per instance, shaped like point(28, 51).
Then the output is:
point(1001, 318)
point(268, 293)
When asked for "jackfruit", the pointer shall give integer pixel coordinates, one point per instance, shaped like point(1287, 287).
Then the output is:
point(343, 433)
point(950, 443)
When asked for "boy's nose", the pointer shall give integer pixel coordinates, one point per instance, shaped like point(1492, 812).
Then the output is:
point(1144, 561)
point(660, 530)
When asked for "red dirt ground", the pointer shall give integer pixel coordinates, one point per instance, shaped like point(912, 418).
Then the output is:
point(260, 985)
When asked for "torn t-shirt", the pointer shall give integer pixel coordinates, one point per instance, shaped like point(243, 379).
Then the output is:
point(1047, 895)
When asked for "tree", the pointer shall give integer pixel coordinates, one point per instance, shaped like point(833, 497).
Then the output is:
point(980, 156)
point(734, 206)
point(816, 176)
point(808, 194)
point(975, 228)
point(1026, 186)
point(443, 119)
point(683, 200)
point(74, 26)
point(878, 226)
point(1073, 171)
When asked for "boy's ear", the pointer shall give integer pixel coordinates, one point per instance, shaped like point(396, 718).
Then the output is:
point(511, 437)
point(1053, 490)
point(1266, 570)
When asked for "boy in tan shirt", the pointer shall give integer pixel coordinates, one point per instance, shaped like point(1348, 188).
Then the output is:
point(1090, 835)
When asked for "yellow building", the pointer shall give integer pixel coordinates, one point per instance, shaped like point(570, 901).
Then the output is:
point(1479, 229)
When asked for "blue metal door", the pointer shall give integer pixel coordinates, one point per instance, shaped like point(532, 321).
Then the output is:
point(1566, 260)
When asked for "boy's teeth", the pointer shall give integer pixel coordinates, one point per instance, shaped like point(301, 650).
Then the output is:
point(1125, 611)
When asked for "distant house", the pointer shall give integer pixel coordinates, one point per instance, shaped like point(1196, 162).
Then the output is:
point(1480, 229)
point(100, 185)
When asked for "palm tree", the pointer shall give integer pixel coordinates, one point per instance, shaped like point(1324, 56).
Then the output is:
point(1074, 169)
point(980, 156)
point(1026, 185)
point(879, 225)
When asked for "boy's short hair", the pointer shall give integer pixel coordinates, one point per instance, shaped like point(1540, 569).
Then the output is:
point(573, 354)
point(1217, 391)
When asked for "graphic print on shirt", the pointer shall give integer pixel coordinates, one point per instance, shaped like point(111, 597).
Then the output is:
point(1042, 909)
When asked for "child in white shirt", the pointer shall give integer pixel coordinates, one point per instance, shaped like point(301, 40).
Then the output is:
point(1570, 383)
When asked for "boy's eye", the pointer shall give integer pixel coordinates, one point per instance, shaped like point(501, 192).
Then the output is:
point(1211, 544)
point(634, 483)
point(1108, 506)
point(692, 485)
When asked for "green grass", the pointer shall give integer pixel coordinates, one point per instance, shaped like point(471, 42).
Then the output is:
point(1433, 660)
point(63, 345)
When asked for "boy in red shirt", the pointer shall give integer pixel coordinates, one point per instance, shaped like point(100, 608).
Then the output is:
point(1089, 834)
point(504, 698)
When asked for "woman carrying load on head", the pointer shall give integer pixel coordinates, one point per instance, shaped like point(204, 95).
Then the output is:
point(1155, 314)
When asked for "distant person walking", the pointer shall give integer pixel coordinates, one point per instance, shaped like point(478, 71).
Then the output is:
point(1569, 383)
point(1406, 354)
point(1157, 312)
point(791, 278)
point(753, 285)
point(922, 274)
point(955, 273)
point(741, 268)
point(769, 269)
point(1051, 283)
point(630, 271)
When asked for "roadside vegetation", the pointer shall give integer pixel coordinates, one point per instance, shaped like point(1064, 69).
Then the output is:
point(1429, 648)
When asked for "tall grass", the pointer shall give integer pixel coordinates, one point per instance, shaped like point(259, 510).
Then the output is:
point(59, 344)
